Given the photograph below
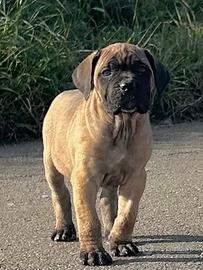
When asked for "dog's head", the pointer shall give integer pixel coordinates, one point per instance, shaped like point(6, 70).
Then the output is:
point(124, 76)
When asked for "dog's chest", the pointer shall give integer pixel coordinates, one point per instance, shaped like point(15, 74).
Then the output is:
point(128, 153)
point(122, 153)
point(118, 165)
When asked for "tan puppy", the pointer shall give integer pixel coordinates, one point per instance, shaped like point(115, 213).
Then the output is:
point(100, 136)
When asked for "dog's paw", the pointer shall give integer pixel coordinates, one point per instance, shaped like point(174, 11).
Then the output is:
point(67, 234)
point(100, 257)
point(124, 250)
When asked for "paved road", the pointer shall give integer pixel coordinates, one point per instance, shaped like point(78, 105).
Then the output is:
point(169, 229)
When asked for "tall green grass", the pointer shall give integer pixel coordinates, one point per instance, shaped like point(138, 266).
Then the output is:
point(42, 41)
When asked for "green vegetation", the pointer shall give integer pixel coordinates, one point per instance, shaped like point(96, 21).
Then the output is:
point(42, 41)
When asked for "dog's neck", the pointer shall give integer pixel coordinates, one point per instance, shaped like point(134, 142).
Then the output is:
point(124, 128)
point(119, 128)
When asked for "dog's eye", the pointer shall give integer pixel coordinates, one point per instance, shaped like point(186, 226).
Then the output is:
point(106, 72)
point(142, 69)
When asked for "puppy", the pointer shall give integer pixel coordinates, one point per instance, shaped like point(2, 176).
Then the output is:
point(99, 136)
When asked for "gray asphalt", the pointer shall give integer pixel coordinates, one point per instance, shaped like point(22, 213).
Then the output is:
point(169, 229)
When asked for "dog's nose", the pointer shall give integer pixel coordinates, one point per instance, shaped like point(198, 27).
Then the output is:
point(124, 87)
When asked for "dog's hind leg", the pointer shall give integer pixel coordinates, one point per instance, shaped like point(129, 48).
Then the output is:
point(64, 229)
point(109, 206)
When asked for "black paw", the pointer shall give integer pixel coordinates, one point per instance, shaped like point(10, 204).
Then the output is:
point(95, 258)
point(68, 234)
point(124, 250)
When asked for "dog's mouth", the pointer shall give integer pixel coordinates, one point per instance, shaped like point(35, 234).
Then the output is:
point(126, 110)
point(129, 110)
point(128, 103)
point(135, 109)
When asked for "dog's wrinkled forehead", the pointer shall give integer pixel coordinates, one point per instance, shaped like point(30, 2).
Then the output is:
point(123, 53)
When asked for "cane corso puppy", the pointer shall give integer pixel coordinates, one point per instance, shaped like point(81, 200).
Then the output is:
point(99, 136)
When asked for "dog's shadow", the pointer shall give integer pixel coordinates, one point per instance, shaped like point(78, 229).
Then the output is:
point(164, 255)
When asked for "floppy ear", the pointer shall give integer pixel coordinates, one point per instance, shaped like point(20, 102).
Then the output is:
point(83, 75)
point(161, 74)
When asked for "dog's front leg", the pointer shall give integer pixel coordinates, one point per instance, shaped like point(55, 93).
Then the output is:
point(120, 238)
point(89, 227)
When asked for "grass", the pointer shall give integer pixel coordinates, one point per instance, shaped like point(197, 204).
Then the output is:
point(42, 41)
